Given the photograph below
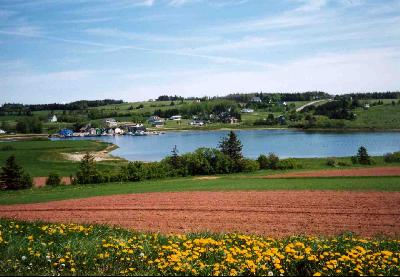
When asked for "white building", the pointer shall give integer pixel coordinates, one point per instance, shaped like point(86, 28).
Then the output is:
point(247, 111)
point(2, 132)
point(118, 131)
point(176, 117)
point(110, 122)
point(53, 118)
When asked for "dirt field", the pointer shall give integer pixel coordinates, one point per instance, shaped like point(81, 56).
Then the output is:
point(275, 213)
point(39, 182)
point(372, 171)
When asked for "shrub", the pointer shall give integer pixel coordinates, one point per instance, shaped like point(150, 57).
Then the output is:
point(13, 177)
point(262, 161)
point(392, 157)
point(288, 164)
point(270, 162)
point(354, 160)
point(331, 162)
point(342, 163)
point(273, 161)
point(250, 165)
point(134, 172)
point(53, 180)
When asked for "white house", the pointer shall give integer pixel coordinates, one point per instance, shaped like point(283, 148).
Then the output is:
point(247, 111)
point(2, 132)
point(53, 118)
point(118, 131)
point(176, 117)
point(256, 99)
point(110, 122)
point(198, 123)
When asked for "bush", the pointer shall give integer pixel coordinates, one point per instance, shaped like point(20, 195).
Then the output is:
point(133, 172)
point(53, 180)
point(341, 163)
point(270, 162)
point(331, 162)
point(273, 161)
point(288, 164)
point(262, 161)
point(250, 165)
point(354, 160)
point(392, 157)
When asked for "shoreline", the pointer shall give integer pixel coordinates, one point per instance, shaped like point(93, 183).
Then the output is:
point(20, 137)
point(341, 130)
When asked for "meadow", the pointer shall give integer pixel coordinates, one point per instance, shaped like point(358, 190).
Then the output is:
point(227, 183)
point(71, 249)
point(40, 157)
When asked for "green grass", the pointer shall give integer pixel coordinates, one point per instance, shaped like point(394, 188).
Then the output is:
point(39, 158)
point(224, 183)
point(378, 117)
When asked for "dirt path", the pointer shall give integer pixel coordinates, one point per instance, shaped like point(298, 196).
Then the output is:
point(275, 213)
point(309, 104)
point(371, 171)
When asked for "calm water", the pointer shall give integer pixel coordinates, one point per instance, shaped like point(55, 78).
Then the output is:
point(285, 143)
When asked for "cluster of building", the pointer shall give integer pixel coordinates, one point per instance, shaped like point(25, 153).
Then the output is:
point(111, 128)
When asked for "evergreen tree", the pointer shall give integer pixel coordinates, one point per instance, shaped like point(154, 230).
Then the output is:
point(175, 156)
point(87, 172)
point(13, 177)
point(232, 147)
point(362, 156)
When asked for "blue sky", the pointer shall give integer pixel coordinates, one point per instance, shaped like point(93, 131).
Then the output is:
point(65, 50)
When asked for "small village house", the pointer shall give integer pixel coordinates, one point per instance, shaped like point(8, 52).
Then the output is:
point(156, 121)
point(66, 133)
point(53, 118)
point(110, 122)
point(118, 131)
point(134, 128)
point(247, 111)
point(176, 117)
point(256, 99)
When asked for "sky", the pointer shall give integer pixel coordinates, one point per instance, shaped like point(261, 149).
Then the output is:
point(134, 50)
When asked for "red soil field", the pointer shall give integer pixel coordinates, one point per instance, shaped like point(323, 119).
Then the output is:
point(39, 182)
point(372, 171)
point(273, 213)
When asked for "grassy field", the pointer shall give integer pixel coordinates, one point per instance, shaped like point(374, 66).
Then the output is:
point(224, 183)
point(39, 158)
point(71, 249)
point(378, 117)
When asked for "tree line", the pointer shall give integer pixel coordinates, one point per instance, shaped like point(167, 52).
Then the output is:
point(21, 109)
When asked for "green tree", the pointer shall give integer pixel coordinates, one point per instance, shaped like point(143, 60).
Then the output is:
point(53, 180)
point(87, 172)
point(362, 156)
point(232, 147)
point(13, 177)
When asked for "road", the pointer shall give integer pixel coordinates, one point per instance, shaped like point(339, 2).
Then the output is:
point(311, 103)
